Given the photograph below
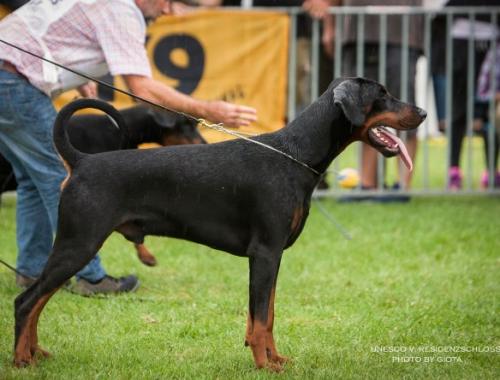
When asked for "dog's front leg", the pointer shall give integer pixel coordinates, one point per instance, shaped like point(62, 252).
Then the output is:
point(272, 352)
point(264, 266)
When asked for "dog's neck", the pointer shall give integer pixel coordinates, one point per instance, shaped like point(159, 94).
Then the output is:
point(319, 134)
point(141, 126)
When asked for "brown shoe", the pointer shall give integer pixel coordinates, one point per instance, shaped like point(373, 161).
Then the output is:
point(108, 285)
point(23, 281)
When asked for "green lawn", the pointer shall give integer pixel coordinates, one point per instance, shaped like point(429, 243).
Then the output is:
point(417, 276)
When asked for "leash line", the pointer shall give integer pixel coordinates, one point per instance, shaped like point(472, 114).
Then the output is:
point(101, 82)
point(217, 127)
point(332, 220)
point(14, 269)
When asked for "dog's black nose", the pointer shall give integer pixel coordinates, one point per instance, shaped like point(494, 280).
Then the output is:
point(422, 113)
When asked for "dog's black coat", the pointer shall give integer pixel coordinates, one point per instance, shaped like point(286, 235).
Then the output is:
point(233, 196)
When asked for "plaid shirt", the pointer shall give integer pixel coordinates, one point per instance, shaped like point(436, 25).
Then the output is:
point(491, 61)
point(92, 33)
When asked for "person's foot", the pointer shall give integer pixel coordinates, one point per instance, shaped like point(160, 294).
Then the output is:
point(23, 281)
point(485, 180)
point(108, 285)
point(454, 178)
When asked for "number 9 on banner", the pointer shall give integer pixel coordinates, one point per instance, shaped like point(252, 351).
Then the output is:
point(180, 57)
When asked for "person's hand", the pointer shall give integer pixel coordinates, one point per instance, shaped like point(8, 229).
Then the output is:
point(180, 9)
point(177, 8)
point(231, 115)
point(88, 90)
point(316, 8)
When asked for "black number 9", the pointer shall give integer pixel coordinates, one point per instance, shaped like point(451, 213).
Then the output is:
point(189, 76)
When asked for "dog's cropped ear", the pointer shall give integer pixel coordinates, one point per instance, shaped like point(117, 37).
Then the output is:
point(165, 119)
point(347, 95)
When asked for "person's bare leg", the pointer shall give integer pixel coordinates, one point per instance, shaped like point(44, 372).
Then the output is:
point(369, 167)
point(405, 176)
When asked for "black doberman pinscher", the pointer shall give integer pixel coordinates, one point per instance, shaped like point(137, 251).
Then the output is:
point(235, 196)
point(98, 133)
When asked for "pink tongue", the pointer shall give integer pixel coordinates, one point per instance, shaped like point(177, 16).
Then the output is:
point(403, 153)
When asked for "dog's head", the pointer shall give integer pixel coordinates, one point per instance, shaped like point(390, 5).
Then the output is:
point(371, 109)
point(176, 129)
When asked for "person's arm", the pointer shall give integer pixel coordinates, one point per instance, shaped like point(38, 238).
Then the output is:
point(232, 115)
point(328, 35)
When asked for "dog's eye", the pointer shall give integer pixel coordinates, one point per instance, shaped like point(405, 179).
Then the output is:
point(378, 105)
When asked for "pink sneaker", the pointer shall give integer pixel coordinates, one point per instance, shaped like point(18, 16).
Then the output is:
point(454, 178)
point(485, 179)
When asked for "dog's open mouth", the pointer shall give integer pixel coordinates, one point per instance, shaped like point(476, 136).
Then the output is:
point(389, 145)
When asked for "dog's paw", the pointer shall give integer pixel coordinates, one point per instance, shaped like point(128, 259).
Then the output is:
point(39, 352)
point(274, 366)
point(279, 359)
point(23, 361)
point(147, 258)
point(149, 261)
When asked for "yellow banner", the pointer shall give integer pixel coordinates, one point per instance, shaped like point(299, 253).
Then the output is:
point(238, 56)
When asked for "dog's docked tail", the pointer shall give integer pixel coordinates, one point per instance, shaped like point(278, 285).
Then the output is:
point(61, 138)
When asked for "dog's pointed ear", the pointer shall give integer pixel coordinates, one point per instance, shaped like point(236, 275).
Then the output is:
point(163, 118)
point(347, 95)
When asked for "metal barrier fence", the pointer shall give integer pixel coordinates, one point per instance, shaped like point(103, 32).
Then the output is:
point(434, 151)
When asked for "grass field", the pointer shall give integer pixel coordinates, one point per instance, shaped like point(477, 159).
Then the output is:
point(422, 276)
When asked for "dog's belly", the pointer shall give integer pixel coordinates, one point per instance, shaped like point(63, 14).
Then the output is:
point(231, 237)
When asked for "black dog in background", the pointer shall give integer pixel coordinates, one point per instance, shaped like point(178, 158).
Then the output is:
point(98, 133)
point(235, 196)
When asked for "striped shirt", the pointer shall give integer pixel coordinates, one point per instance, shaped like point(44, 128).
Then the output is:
point(93, 36)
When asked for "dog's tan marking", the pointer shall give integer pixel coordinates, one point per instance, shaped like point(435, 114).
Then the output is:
point(176, 140)
point(146, 257)
point(68, 169)
point(259, 336)
point(387, 118)
point(271, 351)
point(27, 344)
point(298, 214)
point(257, 341)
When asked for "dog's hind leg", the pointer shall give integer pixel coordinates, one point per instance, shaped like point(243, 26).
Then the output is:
point(64, 263)
point(28, 306)
point(264, 265)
